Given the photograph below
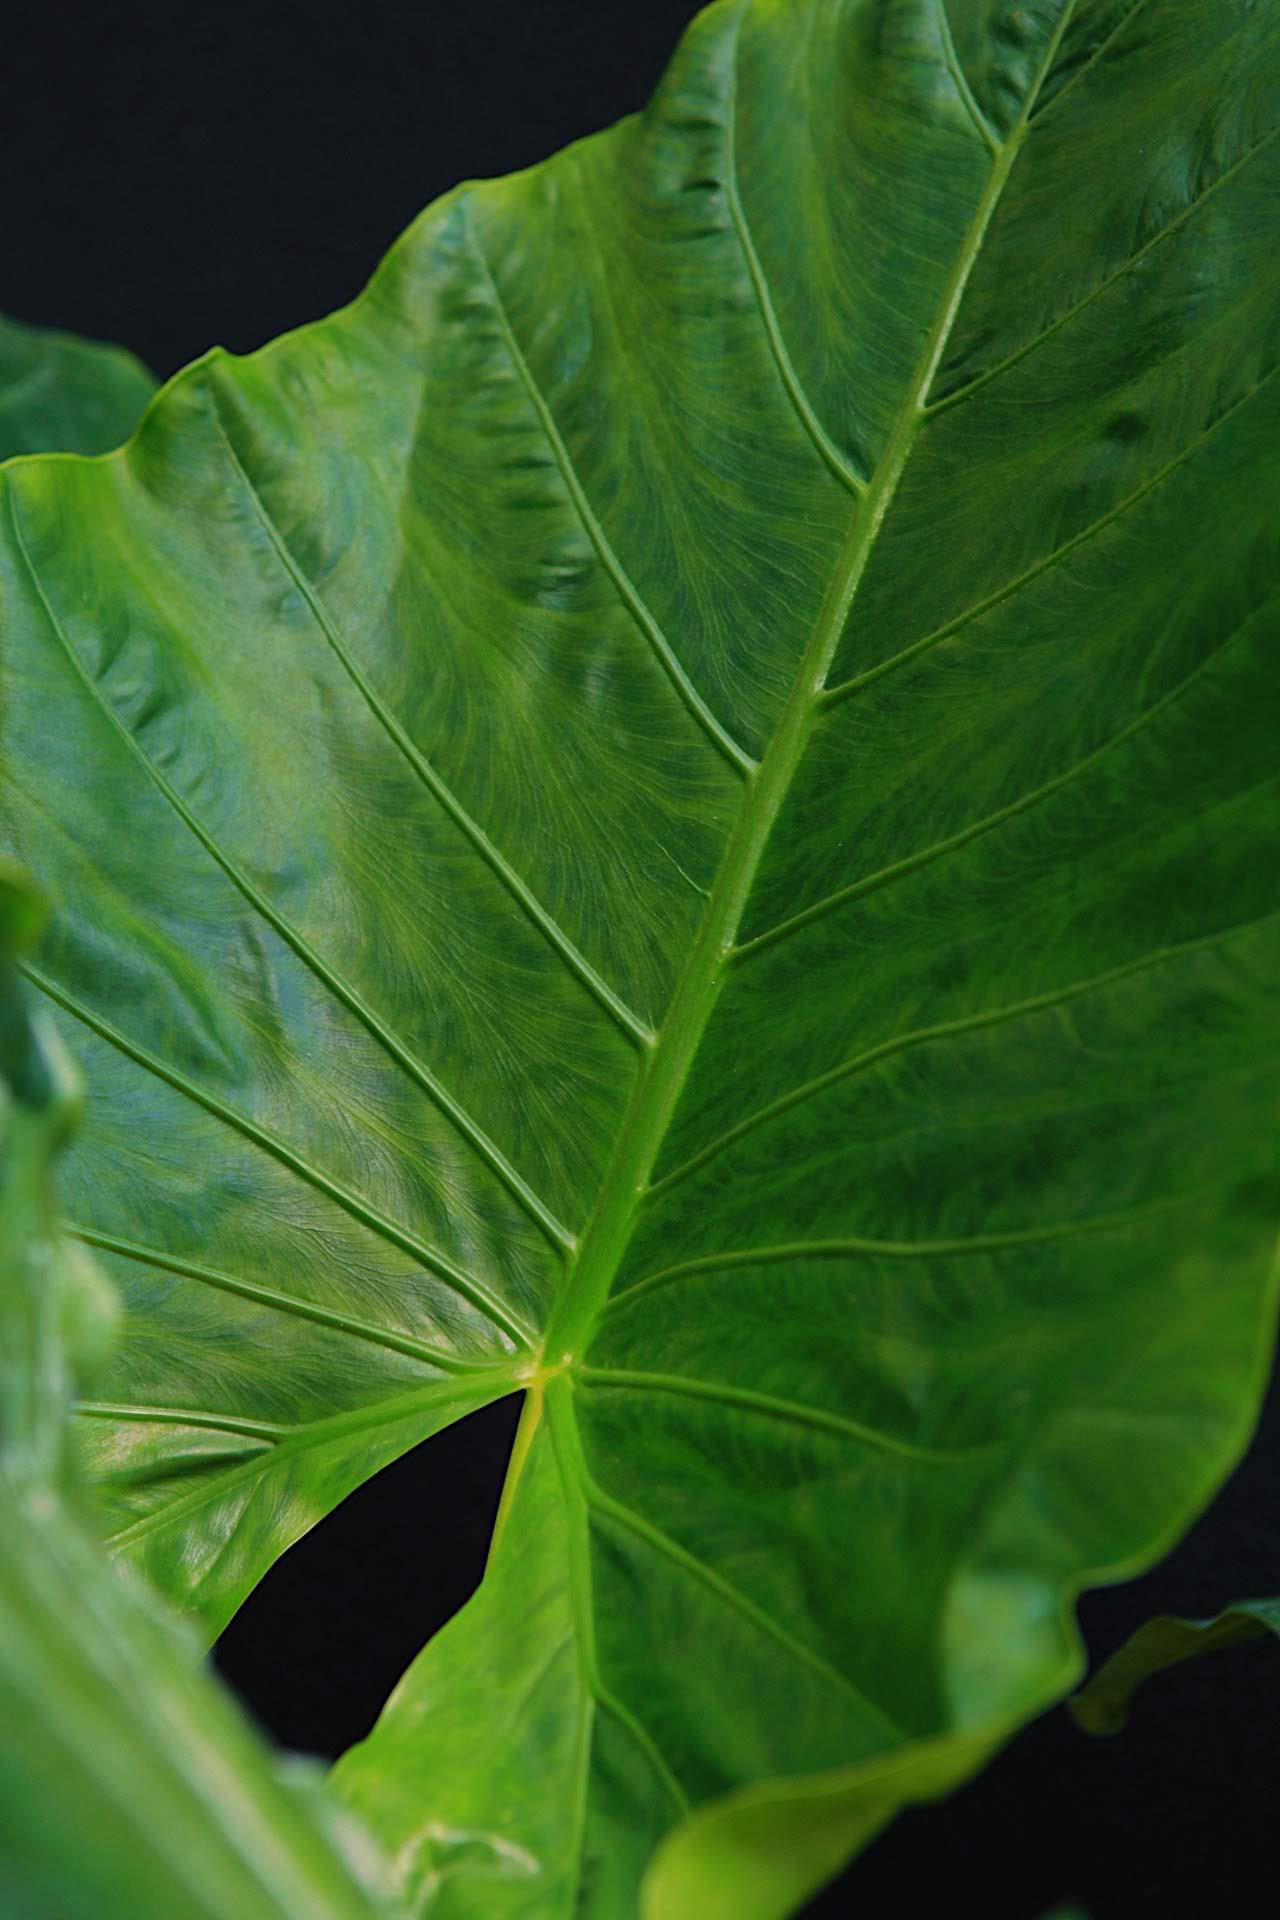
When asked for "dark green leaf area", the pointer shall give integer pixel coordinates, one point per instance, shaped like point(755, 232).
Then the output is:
point(59, 394)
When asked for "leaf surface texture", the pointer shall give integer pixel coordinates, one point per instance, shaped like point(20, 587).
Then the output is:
point(677, 809)
point(129, 1784)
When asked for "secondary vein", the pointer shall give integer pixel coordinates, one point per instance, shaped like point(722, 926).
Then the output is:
point(733, 752)
point(942, 1030)
point(271, 1298)
point(854, 1247)
point(1099, 53)
point(985, 130)
point(475, 1291)
point(269, 1431)
point(912, 863)
point(317, 1433)
point(834, 695)
point(792, 1412)
point(576, 962)
point(840, 465)
point(485, 1149)
point(1135, 259)
point(733, 1597)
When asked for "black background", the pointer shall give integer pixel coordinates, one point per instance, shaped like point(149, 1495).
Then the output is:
point(177, 176)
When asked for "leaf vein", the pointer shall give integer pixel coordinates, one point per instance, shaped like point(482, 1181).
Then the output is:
point(746, 1399)
point(945, 1029)
point(851, 1247)
point(732, 1596)
point(1064, 319)
point(1086, 66)
point(441, 792)
point(842, 691)
point(582, 1596)
point(835, 460)
point(303, 1439)
point(912, 863)
point(736, 755)
point(266, 1430)
point(984, 128)
point(485, 1149)
point(645, 1124)
point(269, 1297)
point(485, 1302)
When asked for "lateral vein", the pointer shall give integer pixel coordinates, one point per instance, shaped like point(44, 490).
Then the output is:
point(733, 1597)
point(303, 1439)
point(736, 755)
point(986, 131)
point(852, 1247)
point(271, 1298)
point(1135, 259)
point(834, 695)
point(266, 1430)
point(351, 1203)
point(912, 863)
point(485, 1149)
point(943, 1030)
point(791, 1412)
point(576, 962)
point(1086, 66)
point(839, 463)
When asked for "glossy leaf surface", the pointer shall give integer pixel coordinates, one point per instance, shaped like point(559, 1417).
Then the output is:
point(130, 1789)
point(1103, 1705)
point(678, 809)
point(60, 394)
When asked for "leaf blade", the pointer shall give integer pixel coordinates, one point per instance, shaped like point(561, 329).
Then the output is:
point(554, 449)
point(128, 1783)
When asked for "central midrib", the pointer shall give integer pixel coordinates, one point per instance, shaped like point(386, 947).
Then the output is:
point(589, 1276)
point(605, 1238)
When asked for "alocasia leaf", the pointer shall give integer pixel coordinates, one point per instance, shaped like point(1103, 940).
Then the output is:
point(62, 394)
point(677, 811)
point(129, 1788)
point(1166, 1641)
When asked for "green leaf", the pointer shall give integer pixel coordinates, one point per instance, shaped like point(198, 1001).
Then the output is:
point(57, 1316)
point(677, 810)
point(129, 1786)
point(61, 394)
point(1103, 1705)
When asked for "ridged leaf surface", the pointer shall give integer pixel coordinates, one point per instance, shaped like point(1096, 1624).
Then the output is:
point(678, 809)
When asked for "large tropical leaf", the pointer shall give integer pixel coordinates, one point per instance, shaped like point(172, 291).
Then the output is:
point(62, 394)
point(678, 810)
point(129, 1789)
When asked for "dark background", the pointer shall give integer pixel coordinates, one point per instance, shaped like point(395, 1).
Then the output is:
point(179, 175)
